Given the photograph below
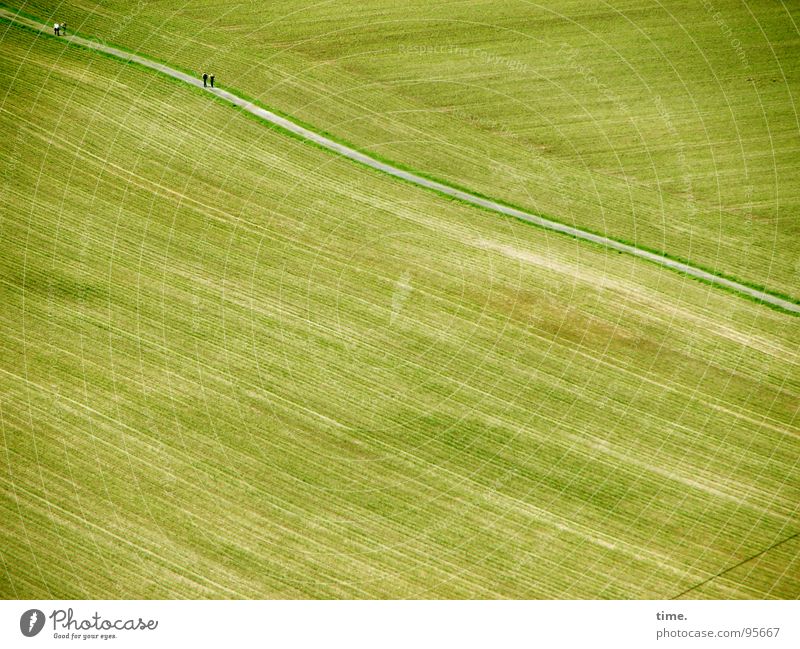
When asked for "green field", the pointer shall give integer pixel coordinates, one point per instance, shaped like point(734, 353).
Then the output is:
point(233, 365)
point(669, 125)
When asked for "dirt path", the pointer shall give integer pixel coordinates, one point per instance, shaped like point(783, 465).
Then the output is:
point(347, 152)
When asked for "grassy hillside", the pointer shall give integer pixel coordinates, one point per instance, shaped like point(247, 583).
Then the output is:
point(232, 365)
point(667, 125)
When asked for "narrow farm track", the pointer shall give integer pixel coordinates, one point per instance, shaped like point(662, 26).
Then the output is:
point(467, 197)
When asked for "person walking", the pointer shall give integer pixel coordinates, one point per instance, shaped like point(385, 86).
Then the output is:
point(56, 27)
point(63, 27)
point(211, 79)
point(205, 80)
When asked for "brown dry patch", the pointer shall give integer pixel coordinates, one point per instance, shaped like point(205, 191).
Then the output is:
point(657, 302)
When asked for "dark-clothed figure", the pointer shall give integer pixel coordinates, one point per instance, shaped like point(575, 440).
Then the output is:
point(63, 27)
point(211, 79)
point(205, 80)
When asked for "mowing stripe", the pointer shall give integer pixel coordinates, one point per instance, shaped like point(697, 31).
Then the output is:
point(467, 197)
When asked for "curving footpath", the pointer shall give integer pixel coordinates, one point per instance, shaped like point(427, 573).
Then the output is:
point(461, 195)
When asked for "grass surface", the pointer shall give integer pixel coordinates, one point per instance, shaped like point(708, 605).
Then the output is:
point(668, 126)
point(235, 366)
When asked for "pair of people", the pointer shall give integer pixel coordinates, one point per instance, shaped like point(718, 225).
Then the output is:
point(208, 78)
point(60, 29)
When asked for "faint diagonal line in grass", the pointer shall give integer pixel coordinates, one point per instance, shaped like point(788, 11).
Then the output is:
point(741, 563)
